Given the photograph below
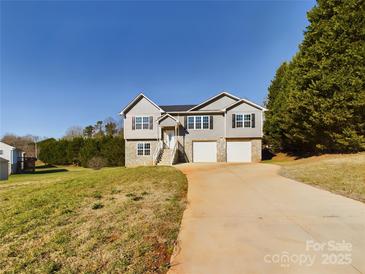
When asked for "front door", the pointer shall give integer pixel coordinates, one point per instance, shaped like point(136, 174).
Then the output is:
point(169, 138)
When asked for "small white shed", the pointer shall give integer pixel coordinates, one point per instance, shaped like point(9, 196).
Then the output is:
point(4, 169)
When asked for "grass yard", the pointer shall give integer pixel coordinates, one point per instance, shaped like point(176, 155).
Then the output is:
point(342, 174)
point(72, 220)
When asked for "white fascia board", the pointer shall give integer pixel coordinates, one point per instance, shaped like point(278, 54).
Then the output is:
point(247, 102)
point(214, 97)
point(197, 112)
point(168, 115)
point(136, 99)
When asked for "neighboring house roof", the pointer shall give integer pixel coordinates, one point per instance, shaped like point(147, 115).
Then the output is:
point(3, 160)
point(247, 102)
point(135, 100)
point(177, 107)
point(224, 93)
point(9, 146)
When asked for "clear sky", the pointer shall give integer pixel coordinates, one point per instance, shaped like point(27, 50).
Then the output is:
point(67, 63)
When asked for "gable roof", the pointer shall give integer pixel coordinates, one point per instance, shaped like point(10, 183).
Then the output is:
point(167, 116)
point(6, 145)
point(247, 102)
point(135, 100)
point(224, 93)
point(177, 107)
point(191, 108)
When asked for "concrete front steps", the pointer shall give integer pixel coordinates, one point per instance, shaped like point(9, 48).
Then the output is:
point(165, 159)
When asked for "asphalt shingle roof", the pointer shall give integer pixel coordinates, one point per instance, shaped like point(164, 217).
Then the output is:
point(177, 107)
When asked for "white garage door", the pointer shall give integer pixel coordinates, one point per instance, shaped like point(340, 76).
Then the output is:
point(239, 151)
point(204, 152)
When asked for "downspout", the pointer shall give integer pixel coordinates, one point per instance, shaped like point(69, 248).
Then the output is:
point(225, 134)
point(11, 160)
point(225, 124)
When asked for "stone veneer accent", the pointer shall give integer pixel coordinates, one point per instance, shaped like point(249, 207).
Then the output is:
point(221, 150)
point(256, 149)
point(131, 157)
point(189, 150)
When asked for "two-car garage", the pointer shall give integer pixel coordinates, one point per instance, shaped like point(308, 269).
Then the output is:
point(238, 151)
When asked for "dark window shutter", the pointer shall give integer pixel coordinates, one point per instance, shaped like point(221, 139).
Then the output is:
point(133, 123)
point(233, 120)
point(211, 122)
point(253, 120)
point(185, 121)
point(151, 122)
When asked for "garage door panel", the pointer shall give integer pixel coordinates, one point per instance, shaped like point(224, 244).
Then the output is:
point(239, 152)
point(205, 152)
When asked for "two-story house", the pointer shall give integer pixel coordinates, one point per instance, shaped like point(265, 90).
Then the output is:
point(13, 155)
point(224, 128)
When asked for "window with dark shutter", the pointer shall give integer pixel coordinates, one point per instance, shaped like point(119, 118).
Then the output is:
point(206, 123)
point(211, 122)
point(233, 120)
point(253, 120)
point(133, 123)
point(151, 122)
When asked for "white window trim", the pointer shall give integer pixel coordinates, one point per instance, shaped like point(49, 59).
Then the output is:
point(135, 122)
point(194, 128)
point(143, 149)
point(243, 120)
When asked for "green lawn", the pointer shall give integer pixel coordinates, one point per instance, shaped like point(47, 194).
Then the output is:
point(73, 220)
point(342, 174)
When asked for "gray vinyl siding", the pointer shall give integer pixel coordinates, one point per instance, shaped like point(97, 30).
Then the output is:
point(221, 132)
point(167, 122)
point(244, 132)
point(219, 103)
point(141, 108)
point(205, 134)
point(186, 137)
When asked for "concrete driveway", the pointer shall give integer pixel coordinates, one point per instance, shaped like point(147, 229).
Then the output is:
point(245, 218)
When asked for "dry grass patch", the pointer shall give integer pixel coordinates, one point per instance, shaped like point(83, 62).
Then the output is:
point(113, 220)
point(342, 174)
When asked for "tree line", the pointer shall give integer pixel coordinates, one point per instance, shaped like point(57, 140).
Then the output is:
point(86, 152)
point(108, 127)
point(94, 146)
point(316, 102)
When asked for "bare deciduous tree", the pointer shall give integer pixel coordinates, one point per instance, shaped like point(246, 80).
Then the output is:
point(25, 143)
point(110, 126)
point(74, 131)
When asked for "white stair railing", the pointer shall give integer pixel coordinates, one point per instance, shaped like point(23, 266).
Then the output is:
point(173, 153)
point(157, 152)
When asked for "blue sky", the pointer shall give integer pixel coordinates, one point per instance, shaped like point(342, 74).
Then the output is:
point(67, 63)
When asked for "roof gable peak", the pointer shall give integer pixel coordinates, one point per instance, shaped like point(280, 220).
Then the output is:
point(206, 102)
point(135, 100)
point(247, 102)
